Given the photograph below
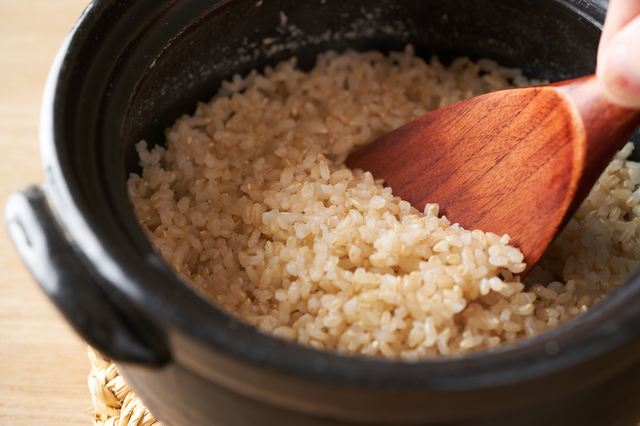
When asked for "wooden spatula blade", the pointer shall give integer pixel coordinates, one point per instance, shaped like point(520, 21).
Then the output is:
point(507, 162)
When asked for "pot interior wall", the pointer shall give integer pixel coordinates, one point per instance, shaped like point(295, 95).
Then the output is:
point(178, 53)
point(542, 37)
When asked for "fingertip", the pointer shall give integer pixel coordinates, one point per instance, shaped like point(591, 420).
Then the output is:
point(618, 70)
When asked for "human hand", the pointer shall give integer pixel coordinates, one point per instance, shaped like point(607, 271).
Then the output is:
point(618, 70)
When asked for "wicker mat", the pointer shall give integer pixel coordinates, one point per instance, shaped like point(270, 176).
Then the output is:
point(113, 401)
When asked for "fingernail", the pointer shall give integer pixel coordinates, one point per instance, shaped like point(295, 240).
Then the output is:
point(621, 78)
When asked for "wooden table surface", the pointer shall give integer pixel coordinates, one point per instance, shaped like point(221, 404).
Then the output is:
point(43, 364)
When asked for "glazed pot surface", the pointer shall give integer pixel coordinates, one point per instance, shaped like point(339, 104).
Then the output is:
point(130, 69)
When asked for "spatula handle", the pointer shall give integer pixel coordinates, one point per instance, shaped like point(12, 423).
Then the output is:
point(607, 126)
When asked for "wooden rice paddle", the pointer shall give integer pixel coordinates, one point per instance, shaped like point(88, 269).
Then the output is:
point(516, 162)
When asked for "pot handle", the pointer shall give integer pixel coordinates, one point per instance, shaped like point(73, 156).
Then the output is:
point(58, 266)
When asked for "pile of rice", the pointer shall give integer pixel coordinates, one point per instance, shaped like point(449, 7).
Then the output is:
point(251, 203)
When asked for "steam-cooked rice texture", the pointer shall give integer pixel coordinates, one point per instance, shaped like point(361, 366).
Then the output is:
point(251, 203)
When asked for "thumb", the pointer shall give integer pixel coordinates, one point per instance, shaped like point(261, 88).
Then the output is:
point(618, 69)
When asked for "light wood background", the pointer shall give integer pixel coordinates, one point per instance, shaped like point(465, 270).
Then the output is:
point(43, 364)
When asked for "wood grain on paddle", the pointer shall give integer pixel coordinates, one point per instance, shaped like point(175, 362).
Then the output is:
point(516, 162)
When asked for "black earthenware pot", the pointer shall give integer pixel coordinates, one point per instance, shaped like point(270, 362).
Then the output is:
point(129, 68)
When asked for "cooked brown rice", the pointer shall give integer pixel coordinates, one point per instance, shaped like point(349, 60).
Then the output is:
point(251, 203)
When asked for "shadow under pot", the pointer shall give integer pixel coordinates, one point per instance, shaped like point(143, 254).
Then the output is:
point(129, 69)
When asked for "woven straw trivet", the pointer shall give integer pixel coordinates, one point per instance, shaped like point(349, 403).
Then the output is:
point(113, 401)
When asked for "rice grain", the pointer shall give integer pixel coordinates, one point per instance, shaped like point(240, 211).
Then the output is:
point(251, 203)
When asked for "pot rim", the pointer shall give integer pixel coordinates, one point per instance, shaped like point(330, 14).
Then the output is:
point(177, 308)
